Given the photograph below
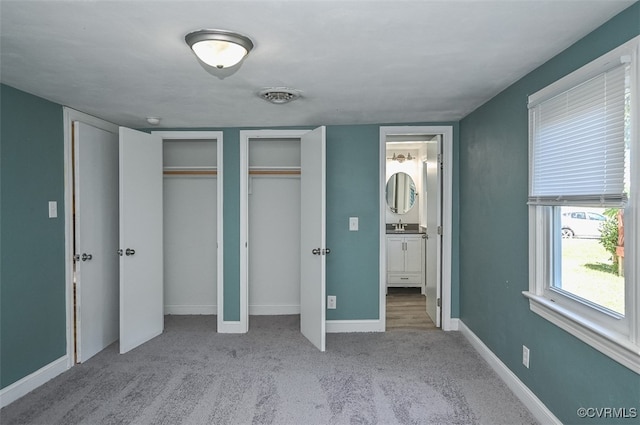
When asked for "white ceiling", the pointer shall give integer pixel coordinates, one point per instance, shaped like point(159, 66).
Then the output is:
point(354, 61)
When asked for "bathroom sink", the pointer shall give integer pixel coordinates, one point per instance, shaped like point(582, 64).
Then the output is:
point(407, 228)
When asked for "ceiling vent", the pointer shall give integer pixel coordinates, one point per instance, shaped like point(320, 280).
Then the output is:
point(279, 95)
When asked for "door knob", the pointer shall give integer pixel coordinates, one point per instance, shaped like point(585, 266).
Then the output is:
point(86, 257)
point(129, 252)
point(316, 251)
point(326, 251)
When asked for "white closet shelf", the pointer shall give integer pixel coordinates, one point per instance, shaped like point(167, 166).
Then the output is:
point(189, 171)
point(273, 170)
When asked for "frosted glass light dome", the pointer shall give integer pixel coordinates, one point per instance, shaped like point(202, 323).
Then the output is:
point(219, 48)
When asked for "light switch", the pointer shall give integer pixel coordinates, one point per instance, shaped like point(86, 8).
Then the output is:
point(53, 209)
point(353, 224)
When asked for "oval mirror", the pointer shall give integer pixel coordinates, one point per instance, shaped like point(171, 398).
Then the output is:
point(401, 193)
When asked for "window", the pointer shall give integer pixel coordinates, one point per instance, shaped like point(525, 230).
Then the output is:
point(584, 170)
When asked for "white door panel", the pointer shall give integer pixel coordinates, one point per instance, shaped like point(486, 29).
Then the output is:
point(96, 238)
point(433, 254)
point(312, 266)
point(141, 273)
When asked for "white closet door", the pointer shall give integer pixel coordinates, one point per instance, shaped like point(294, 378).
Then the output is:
point(312, 265)
point(434, 241)
point(96, 238)
point(141, 278)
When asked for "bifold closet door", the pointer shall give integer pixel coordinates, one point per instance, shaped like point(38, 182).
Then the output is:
point(141, 253)
point(96, 238)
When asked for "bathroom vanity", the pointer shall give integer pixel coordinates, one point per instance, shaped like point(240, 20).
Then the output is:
point(405, 256)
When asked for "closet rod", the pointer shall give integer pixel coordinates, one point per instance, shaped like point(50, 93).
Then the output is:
point(275, 172)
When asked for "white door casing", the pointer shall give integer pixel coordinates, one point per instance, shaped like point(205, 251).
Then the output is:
point(433, 251)
point(96, 238)
point(313, 241)
point(141, 273)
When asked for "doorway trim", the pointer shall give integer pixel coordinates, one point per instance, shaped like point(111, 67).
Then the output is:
point(245, 135)
point(69, 116)
point(448, 324)
point(218, 136)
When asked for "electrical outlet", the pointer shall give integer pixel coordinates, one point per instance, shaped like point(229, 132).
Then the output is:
point(353, 224)
point(331, 302)
point(525, 356)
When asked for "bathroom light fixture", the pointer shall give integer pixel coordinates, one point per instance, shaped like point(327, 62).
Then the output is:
point(219, 48)
point(401, 158)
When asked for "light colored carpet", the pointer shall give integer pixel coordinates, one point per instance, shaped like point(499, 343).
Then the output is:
point(273, 375)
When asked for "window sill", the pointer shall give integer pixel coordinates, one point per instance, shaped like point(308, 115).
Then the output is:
point(610, 344)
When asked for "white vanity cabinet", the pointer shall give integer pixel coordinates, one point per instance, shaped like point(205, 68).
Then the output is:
point(405, 261)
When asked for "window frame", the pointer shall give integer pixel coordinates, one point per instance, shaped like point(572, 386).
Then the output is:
point(614, 335)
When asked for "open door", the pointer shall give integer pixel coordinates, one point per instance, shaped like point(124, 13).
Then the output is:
point(141, 278)
point(313, 241)
point(434, 238)
point(95, 238)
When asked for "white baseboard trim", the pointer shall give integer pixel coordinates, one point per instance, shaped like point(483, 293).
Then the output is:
point(452, 324)
point(271, 310)
point(31, 382)
point(231, 327)
point(526, 396)
point(340, 326)
point(190, 309)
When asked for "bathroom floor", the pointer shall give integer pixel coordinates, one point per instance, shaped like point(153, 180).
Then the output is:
point(406, 310)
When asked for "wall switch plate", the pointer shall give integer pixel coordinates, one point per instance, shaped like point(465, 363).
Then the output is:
point(353, 224)
point(53, 209)
point(331, 302)
point(525, 356)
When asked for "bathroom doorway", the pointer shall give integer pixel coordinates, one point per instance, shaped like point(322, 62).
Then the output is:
point(415, 258)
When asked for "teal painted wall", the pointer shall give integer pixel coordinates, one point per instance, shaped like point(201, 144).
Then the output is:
point(32, 283)
point(353, 184)
point(565, 373)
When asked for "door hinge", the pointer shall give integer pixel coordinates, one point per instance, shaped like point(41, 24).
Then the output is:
point(438, 302)
point(440, 160)
point(440, 230)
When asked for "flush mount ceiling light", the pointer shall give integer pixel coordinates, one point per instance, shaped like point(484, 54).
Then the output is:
point(279, 95)
point(219, 48)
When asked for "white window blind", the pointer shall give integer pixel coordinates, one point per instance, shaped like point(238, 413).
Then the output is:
point(578, 145)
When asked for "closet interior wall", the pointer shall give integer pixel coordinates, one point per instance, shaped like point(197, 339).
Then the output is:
point(190, 226)
point(274, 226)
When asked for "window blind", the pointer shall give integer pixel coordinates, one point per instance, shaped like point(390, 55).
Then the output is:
point(577, 145)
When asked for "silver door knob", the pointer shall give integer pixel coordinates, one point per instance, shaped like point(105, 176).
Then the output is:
point(326, 251)
point(86, 257)
point(316, 251)
point(129, 251)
